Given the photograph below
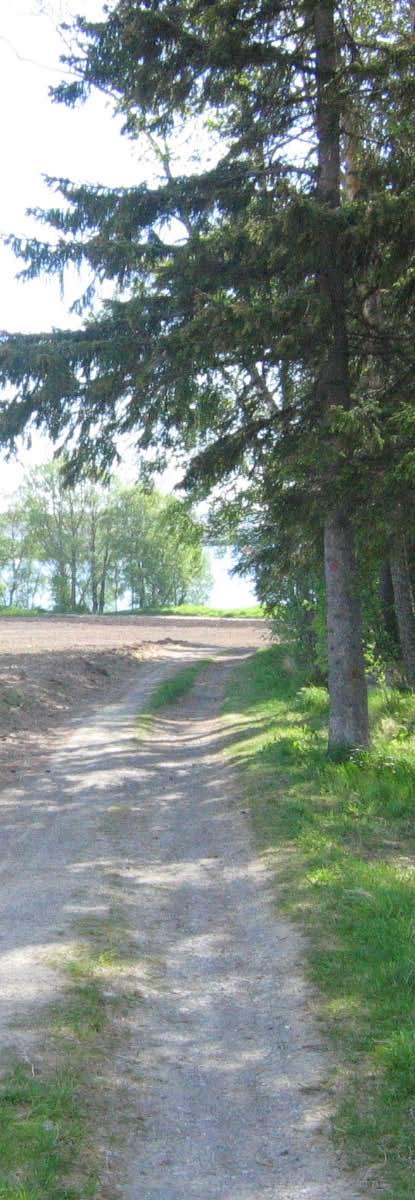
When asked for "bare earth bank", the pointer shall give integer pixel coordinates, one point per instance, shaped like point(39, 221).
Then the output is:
point(51, 667)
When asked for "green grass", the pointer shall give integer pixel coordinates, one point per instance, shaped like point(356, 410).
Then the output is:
point(45, 1151)
point(173, 689)
point(41, 1130)
point(342, 840)
point(194, 610)
point(48, 1116)
point(181, 610)
point(14, 610)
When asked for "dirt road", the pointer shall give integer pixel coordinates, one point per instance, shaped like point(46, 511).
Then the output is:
point(215, 1080)
point(53, 666)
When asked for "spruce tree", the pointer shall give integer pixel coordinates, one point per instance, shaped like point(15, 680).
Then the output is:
point(235, 278)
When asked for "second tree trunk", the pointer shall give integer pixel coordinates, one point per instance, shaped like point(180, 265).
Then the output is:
point(349, 727)
point(404, 604)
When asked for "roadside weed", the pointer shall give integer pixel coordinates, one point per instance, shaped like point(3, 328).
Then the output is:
point(341, 839)
point(48, 1115)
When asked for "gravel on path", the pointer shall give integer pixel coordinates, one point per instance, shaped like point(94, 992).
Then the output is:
point(220, 1089)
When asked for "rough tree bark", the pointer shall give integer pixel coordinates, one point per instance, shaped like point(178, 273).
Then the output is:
point(348, 726)
point(399, 568)
point(348, 699)
point(388, 603)
point(404, 603)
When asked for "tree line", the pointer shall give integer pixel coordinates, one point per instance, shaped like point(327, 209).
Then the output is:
point(90, 548)
point(262, 314)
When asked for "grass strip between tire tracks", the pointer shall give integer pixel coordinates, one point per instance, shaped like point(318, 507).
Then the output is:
point(341, 839)
point(170, 691)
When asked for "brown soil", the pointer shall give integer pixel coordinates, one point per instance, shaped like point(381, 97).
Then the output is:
point(54, 667)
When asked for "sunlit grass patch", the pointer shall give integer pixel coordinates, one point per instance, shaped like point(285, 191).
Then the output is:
point(342, 837)
point(41, 1129)
point(203, 610)
point(48, 1116)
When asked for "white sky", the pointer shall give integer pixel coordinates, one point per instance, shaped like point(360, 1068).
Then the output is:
point(41, 138)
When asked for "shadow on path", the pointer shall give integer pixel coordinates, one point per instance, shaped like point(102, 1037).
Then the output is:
point(221, 1081)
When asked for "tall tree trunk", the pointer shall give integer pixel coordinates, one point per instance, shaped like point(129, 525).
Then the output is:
point(401, 580)
point(349, 726)
point(93, 562)
point(116, 586)
point(74, 573)
point(395, 584)
point(387, 601)
point(348, 699)
point(103, 580)
point(404, 604)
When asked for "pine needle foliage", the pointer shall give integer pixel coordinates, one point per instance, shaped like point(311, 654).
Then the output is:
point(191, 348)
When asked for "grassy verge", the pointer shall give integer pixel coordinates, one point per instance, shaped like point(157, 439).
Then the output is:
point(194, 610)
point(49, 1114)
point(13, 610)
point(342, 840)
point(181, 610)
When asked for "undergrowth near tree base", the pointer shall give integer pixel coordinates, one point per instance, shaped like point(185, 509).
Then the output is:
point(341, 838)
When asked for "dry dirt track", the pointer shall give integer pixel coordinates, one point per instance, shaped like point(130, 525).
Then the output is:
point(53, 666)
point(214, 1090)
